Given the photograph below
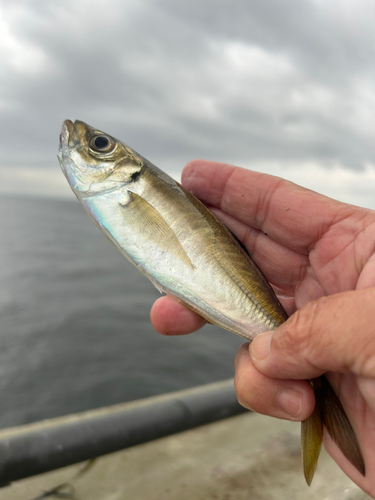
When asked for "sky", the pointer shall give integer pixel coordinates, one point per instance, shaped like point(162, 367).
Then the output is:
point(286, 88)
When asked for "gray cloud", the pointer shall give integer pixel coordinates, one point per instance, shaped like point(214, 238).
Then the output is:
point(234, 81)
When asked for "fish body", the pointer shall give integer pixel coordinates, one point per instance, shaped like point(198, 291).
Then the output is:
point(169, 235)
point(174, 240)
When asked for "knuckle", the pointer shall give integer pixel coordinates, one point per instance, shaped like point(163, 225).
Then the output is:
point(253, 396)
point(302, 331)
point(361, 359)
point(250, 387)
point(242, 386)
point(241, 356)
point(239, 385)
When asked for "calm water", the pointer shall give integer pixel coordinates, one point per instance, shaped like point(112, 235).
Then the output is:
point(74, 320)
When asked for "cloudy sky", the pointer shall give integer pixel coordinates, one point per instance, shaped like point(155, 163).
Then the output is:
point(285, 87)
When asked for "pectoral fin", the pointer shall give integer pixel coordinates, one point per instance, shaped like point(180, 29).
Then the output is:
point(152, 227)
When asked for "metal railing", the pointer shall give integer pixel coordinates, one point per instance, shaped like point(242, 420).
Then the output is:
point(48, 445)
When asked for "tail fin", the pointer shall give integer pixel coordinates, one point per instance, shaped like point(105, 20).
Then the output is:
point(311, 440)
point(329, 412)
point(339, 427)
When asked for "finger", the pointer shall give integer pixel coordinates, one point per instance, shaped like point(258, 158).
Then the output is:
point(334, 333)
point(366, 386)
point(169, 317)
point(287, 399)
point(292, 215)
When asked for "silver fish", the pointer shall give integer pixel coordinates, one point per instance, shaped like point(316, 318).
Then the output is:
point(177, 243)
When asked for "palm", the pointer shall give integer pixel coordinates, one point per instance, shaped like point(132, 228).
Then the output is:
point(307, 246)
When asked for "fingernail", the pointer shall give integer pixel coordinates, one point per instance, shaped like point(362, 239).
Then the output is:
point(261, 345)
point(290, 401)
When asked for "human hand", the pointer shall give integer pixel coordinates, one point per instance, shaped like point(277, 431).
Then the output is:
point(309, 247)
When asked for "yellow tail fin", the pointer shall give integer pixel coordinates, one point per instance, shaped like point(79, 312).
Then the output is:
point(311, 441)
point(330, 413)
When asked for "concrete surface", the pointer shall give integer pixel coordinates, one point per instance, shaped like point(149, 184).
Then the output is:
point(245, 457)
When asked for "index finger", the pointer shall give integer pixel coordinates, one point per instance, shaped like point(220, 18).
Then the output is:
point(170, 317)
point(292, 215)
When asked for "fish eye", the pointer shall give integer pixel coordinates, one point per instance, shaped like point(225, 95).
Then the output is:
point(101, 144)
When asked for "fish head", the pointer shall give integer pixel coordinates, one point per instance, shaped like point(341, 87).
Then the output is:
point(94, 162)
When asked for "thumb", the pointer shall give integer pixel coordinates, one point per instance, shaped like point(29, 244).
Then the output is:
point(333, 333)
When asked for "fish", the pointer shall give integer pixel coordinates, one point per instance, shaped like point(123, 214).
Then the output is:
point(174, 240)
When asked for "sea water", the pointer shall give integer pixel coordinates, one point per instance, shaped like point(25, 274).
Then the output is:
point(75, 332)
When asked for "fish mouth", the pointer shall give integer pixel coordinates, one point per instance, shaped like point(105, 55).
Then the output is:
point(74, 134)
point(66, 132)
point(72, 137)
